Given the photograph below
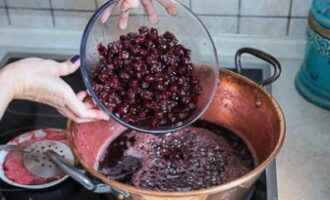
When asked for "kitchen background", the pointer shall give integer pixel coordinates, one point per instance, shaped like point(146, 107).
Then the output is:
point(275, 26)
point(273, 18)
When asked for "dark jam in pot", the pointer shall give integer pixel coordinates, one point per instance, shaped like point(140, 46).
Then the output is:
point(193, 158)
point(146, 78)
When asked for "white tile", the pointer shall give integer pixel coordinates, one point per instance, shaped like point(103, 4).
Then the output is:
point(71, 20)
point(28, 3)
point(218, 25)
point(36, 18)
point(3, 17)
point(265, 7)
point(300, 7)
point(74, 4)
point(99, 3)
point(298, 27)
point(263, 26)
point(185, 2)
point(215, 6)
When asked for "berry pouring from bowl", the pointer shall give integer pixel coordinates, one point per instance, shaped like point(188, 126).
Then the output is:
point(147, 79)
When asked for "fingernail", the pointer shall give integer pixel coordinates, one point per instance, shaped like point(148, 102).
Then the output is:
point(124, 6)
point(172, 10)
point(75, 59)
point(122, 25)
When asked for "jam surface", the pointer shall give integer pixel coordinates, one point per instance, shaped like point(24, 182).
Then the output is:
point(193, 158)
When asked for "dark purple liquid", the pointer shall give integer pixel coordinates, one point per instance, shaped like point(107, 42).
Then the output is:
point(189, 159)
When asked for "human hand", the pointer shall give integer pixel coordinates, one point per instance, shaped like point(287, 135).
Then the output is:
point(39, 80)
point(127, 5)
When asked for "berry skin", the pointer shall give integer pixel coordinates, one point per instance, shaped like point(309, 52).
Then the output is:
point(157, 68)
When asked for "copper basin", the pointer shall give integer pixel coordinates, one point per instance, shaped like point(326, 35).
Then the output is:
point(240, 105)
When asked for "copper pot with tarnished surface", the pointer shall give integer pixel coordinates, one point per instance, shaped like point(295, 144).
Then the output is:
point(240, 105)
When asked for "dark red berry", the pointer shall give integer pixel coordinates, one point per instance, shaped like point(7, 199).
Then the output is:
point(143, 30)
point(153, 33)
point(102, 50)
point(123, 55)
point(124, 76)
point(149, 78)
point(149, 72)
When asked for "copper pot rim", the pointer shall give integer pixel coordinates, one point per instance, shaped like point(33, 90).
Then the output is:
point(223, 187)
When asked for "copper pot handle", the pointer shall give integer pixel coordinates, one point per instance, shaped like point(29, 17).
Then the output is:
point(263, 56)
point(82, 178)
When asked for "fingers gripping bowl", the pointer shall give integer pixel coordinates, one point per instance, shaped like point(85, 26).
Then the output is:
point(194, 37)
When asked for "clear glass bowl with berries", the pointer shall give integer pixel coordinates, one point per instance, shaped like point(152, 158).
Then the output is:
point(153, 78)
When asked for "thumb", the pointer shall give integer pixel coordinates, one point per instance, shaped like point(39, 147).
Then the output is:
point(69, 66)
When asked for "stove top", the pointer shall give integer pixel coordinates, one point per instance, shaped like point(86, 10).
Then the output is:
point(22, 116)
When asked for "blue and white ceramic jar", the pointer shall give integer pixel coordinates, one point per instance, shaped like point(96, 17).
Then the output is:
point(313, 79)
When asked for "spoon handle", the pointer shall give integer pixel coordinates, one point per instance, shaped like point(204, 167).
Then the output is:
point(13, 148)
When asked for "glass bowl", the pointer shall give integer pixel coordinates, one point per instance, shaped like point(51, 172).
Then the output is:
point(186, 26)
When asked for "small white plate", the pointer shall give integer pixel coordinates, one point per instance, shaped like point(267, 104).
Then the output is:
point(20, 139)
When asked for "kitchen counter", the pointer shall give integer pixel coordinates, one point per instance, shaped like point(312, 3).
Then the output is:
point(303, 164)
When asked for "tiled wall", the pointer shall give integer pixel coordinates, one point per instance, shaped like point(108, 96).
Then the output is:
point(274, 18)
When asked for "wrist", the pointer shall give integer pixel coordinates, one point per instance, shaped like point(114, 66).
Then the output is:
point(6, 91)
point(6, 84)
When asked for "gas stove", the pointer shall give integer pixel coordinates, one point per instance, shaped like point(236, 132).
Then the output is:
point(22, 116)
